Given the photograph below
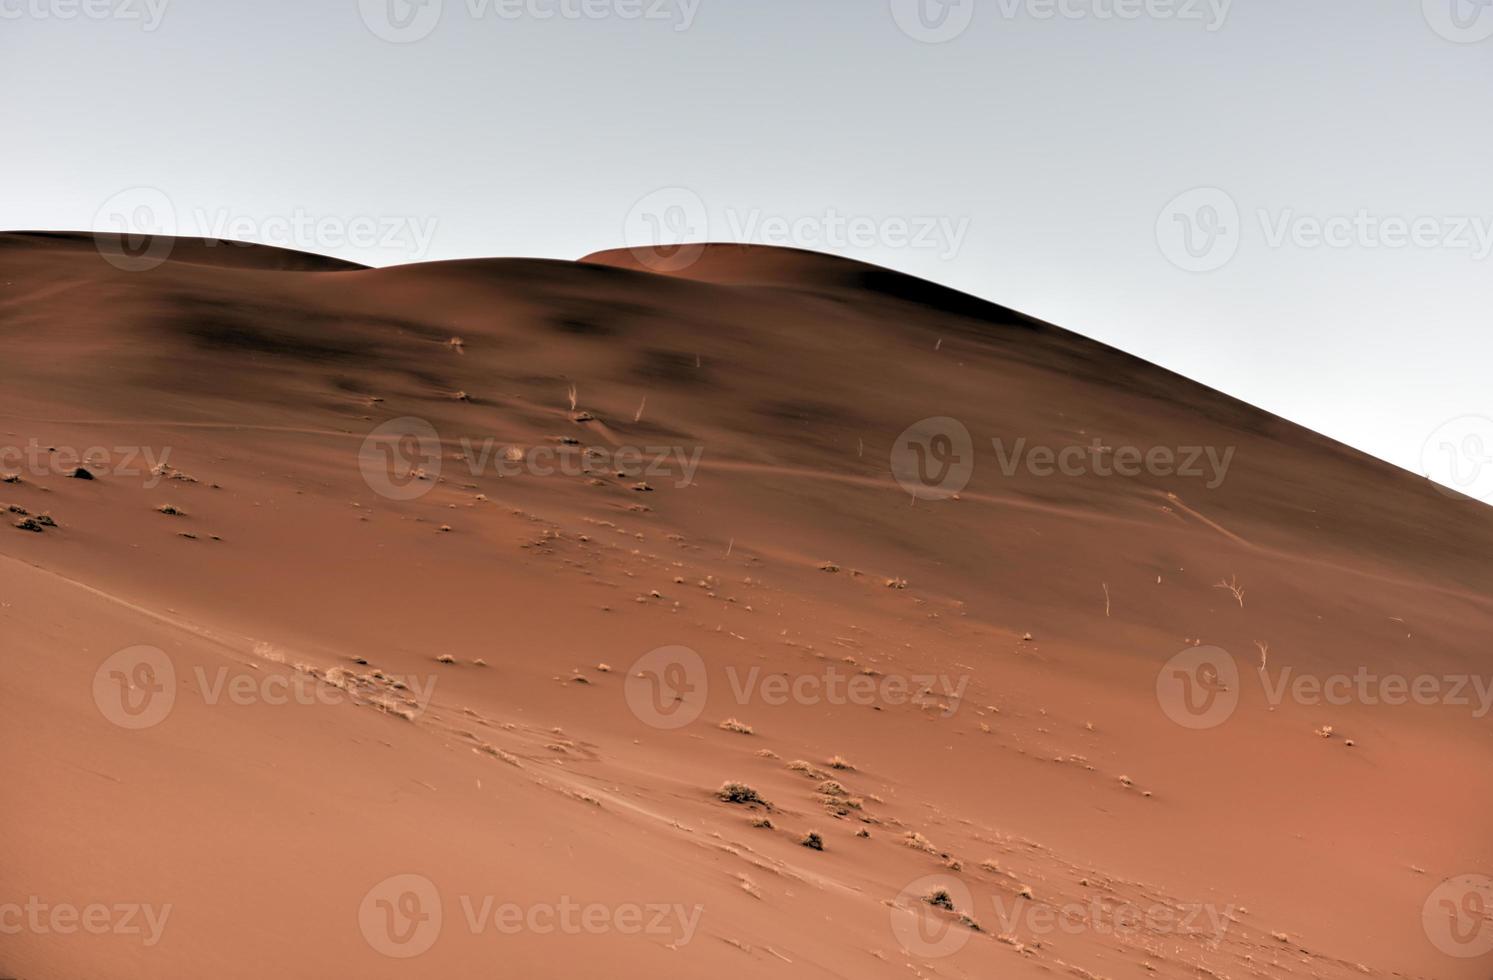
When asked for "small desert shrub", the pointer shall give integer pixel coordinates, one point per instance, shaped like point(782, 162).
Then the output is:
point(941, 899)
point(914, 839)
point(840, 763)
point(739, 793)
point(813, 841)
point(831, 788)
point(739, 727)
point(171, 510)
point(762, 823)
point(445, 658)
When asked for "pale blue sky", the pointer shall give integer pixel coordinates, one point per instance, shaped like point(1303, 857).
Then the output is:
point(1031, 159)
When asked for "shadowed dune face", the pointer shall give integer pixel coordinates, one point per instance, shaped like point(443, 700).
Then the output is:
point(415, 618)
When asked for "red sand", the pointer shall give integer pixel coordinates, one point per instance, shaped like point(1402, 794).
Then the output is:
point(1029, 618)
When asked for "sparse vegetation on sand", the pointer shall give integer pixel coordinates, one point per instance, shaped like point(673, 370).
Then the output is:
point(813, 841)
point(741, 793)
point(733, 725)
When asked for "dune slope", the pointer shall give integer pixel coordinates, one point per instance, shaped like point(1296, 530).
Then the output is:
point(413, 619)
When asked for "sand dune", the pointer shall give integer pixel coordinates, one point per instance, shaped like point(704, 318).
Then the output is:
point(415, 619)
